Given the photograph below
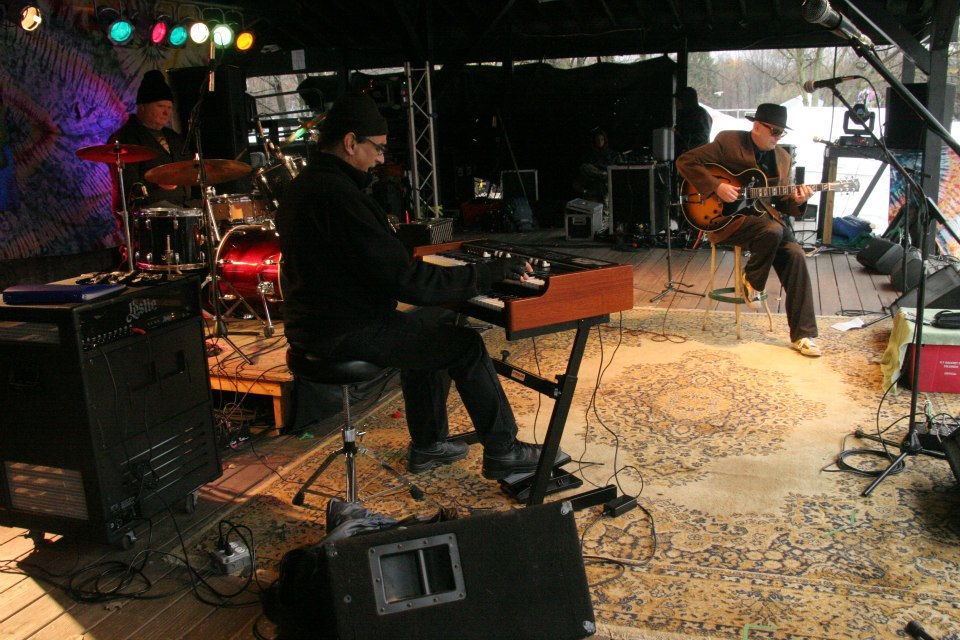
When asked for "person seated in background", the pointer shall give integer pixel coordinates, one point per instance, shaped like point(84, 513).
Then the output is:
point(591, 181)
point(767, 237)
point(344, 272)
point(149, 127)
point(693, 122)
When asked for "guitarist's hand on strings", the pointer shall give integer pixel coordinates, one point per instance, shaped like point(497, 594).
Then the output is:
point(727, 192)
point(801, 193)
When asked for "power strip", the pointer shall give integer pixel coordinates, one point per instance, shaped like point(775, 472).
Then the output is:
point(235, 557)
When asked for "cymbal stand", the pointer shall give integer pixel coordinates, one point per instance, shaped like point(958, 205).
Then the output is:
point(671, 285)
point(126, 215)
point(211, 232)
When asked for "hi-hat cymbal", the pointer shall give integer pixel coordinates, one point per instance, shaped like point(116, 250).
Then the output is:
point(187, 172)
point(109, 153)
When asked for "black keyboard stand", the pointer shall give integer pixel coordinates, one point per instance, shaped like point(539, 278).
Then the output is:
point(549, 478)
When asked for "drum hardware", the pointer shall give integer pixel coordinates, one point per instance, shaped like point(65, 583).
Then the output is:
point(266, 289)
point(116, 154)
point(205, 173)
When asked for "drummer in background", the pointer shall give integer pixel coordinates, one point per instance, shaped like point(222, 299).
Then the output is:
point(148, 127)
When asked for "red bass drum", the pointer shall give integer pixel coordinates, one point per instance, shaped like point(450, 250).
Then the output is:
point(248, 264)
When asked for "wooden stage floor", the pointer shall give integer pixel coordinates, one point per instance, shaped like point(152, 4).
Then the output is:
point(34, 605)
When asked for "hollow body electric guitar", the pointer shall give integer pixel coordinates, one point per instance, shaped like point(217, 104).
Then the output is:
point(709, 213)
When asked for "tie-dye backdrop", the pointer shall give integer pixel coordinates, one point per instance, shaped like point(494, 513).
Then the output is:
point(949, 195)
point(64, 87)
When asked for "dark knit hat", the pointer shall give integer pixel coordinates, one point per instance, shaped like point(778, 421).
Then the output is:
point(688, 95)
point(356, 112)
point(774, 114)
point(153, 88)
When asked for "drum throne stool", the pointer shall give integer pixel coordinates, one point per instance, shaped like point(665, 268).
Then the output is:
point(343, 373)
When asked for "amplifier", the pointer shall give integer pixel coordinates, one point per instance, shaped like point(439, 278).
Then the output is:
point(424, 232)
point(107, 412)
point(584, 219)
point(101, 322)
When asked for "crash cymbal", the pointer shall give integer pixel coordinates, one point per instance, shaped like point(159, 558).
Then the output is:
point(187, 172)
point(312, 123)
point(108, 153)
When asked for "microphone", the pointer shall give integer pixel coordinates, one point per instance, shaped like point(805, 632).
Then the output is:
point(822, 141)
point(820, 12)
point(812, 85)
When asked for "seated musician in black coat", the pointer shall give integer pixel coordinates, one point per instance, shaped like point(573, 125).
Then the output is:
point(344, 272)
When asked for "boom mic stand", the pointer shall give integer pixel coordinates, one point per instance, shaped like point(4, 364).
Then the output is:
point(911, 444)
point(671, 283)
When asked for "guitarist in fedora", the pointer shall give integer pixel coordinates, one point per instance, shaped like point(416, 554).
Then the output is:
point(761, 230)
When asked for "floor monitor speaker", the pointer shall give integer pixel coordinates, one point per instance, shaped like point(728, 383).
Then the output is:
point(906, 273)
point(501, 576)
point(942, 291)
point(881, 255)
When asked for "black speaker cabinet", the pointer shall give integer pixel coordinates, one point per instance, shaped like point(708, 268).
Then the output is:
point(106, 411)
point(906, 278)
point(881, 255)
point(639, 197)
point(502, 576)
point(942, 291)
point(903, 128)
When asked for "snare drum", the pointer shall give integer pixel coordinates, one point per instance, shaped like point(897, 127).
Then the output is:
point(271, 181)
point(237, 208)
point(169, 239)
point(248, 262)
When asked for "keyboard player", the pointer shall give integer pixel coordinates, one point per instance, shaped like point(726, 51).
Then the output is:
point(344, 272)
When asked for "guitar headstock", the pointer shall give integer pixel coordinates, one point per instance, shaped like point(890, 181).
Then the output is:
point(846, 185)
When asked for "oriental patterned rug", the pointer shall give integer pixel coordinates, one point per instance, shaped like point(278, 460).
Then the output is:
point(747, 528)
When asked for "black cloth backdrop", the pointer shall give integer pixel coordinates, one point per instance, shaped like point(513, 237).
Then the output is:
point(547, 115)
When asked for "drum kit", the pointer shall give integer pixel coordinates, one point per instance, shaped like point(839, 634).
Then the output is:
point(165, 240)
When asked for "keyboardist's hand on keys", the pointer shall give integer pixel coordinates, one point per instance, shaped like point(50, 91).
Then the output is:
point(513, 268)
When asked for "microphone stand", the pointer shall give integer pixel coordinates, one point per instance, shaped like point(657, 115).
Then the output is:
point(211, 233)
point(670, 286)
point(911, 444)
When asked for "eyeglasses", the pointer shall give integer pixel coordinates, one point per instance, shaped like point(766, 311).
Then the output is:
point(776, 132)
point(381, 148)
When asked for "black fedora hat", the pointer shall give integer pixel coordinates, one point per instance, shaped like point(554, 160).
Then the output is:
point(774, 114)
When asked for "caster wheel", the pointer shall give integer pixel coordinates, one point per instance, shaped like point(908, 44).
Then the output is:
point(190, 503)
point(128, 540)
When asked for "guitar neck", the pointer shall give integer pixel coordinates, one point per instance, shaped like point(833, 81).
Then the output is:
point(785, 190)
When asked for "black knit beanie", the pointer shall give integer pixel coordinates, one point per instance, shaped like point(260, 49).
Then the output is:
point(356, 112)
point(153, 88)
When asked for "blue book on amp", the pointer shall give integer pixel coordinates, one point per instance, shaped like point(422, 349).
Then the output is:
point(58, 293)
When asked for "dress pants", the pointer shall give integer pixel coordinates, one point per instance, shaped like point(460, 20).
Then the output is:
point(430, 352)
point(772, 244)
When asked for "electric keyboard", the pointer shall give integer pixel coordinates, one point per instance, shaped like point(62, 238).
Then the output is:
point(562, 289)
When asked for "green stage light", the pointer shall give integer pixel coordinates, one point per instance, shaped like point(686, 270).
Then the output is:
point(178, 36)
point(222, 35)
point(118, 28)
